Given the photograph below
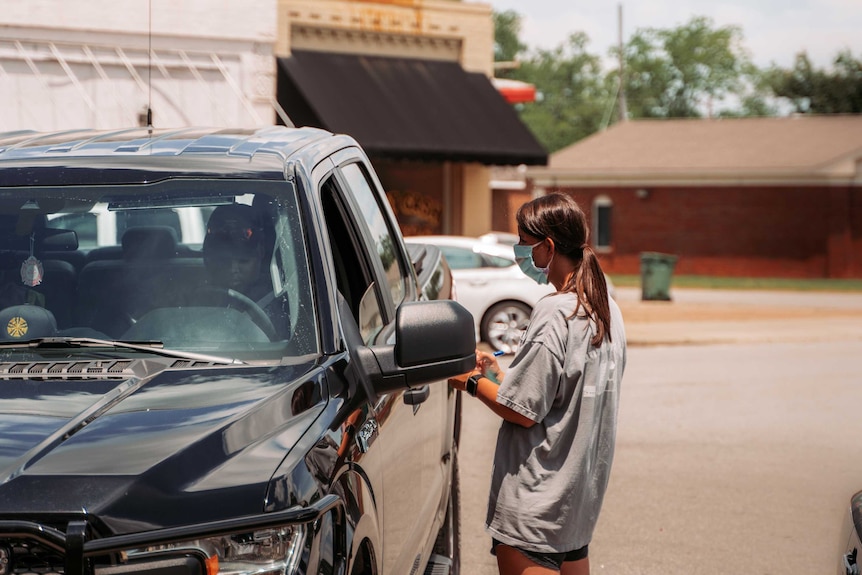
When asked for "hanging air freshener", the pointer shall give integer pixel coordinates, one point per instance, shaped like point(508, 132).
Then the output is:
point(31, 270)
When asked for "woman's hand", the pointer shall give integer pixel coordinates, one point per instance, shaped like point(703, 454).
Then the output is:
point(487, 364)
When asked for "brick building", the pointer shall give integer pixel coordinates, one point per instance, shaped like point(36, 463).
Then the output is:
point(757, 197)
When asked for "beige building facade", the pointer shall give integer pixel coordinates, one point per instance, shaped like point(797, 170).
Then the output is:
point(431, 194)
point(427, 29)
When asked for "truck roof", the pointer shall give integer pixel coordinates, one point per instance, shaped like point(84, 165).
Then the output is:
point(243, 143)
point(139, 155)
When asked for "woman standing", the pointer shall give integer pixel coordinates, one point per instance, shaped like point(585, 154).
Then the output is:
point(558, 401)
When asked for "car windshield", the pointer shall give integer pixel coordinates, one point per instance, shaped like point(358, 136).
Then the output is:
point(202, 266)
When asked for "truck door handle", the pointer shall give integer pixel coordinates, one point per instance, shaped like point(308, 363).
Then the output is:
point(367, 435)
point(416, 395)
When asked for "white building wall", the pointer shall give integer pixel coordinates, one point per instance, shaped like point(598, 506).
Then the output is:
point(211, 63)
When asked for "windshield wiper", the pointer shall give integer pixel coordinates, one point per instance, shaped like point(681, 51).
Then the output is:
point(154, 347)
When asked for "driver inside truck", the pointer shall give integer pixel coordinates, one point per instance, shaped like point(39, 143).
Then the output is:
point(237, 250)
point(234, 251)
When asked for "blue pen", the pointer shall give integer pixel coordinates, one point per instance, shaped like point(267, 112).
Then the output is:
point(490, 375)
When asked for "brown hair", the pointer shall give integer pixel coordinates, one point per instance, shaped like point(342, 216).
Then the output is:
point(557, 216)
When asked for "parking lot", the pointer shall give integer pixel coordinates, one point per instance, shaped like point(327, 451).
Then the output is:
point(738, 439)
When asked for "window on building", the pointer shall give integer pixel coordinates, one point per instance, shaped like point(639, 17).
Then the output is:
point(602, 217)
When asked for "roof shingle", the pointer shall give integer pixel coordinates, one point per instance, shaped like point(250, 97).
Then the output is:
point(761, 148)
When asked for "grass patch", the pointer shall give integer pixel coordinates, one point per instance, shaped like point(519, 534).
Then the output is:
point(709, 282)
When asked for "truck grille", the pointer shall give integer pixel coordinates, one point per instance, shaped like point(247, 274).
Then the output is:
point(26, 558)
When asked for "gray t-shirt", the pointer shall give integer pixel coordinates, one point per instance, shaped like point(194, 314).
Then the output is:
point(549, 480)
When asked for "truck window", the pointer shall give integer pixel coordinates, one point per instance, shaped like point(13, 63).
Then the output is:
point(85, 226)
point(376, 220)
point(102, 227)
point(353, 273)
point(147, 217)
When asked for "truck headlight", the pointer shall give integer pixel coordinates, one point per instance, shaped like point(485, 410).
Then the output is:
point(265, 552)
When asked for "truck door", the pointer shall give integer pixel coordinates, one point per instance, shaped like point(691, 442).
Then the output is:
point(374, 276)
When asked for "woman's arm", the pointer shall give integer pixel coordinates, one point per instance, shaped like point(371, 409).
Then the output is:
point(486, 391)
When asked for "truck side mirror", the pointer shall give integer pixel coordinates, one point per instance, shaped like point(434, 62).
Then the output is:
point(434, 340)
point(434, 331)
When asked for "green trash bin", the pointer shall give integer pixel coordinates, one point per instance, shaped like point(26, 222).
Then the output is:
point(656, 271)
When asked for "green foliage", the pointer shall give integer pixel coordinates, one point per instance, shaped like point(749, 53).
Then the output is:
point(568, 80)
point(751, 105)
point(685, 71)
point(571, 92)
point(507, 30)
point(818, 91)
point(692, 70)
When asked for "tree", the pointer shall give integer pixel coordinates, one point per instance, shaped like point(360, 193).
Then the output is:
point(818, 91)
point(571, 93)
point(689, 71)
point(507, 31)
point(684, 71)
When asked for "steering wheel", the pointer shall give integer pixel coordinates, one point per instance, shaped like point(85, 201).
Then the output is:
point(236, 300)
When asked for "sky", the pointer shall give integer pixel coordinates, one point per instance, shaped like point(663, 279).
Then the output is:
point(774, 31)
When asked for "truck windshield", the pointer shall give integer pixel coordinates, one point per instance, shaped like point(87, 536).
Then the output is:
point(211, 266)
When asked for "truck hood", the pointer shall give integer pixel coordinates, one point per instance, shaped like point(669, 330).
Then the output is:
point(141, 453)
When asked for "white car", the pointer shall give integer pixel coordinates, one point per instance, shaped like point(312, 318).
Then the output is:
point(490, 285)
point(500, 238)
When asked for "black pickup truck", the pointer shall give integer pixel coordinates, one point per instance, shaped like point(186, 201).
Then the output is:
point(218, 357)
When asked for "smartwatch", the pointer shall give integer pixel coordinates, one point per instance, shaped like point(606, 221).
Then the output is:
point(472, 384)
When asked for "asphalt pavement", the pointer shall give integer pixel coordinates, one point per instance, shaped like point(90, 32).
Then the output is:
point(738, 427)
point(712, 316)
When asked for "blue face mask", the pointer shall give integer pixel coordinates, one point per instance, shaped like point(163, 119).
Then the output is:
point(524, 257)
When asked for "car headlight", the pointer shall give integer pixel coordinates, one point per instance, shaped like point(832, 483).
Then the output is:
point(265, 552)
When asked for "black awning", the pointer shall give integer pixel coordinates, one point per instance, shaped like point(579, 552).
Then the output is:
point(406, 108)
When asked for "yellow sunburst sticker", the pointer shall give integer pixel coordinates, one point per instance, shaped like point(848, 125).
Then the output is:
point(17, 327)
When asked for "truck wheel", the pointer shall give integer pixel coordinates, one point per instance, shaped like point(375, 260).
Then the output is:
point(363, 563)
point(448, 542)
point(503, 325)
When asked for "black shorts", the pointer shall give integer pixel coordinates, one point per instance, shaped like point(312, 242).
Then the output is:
point(549, 560)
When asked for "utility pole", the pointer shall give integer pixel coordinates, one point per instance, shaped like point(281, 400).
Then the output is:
point(621, 90)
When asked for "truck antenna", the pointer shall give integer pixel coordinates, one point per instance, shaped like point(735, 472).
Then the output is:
point(150, 68)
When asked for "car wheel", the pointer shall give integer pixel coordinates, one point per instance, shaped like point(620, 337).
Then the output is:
point(504, 324)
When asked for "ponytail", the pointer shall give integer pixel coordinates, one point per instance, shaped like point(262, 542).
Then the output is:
point(590, 285)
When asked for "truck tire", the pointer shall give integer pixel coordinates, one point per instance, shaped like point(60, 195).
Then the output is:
point(362, 566)
point(448, 542)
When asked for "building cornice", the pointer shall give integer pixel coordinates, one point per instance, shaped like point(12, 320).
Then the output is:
point(351, 41)
point(428, 29)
